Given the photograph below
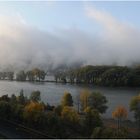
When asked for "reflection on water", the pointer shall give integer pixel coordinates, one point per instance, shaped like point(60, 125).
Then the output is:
point(52, 92)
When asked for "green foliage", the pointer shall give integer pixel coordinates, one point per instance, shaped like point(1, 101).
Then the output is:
point(21, 76)
point(35, 96)
point(4, 98)
point(67, 99)
point(63, 121)
point(21, 98)
point(92, 120)
point(97, 101)
point(17, 112)
point(94, 100)
point(13, 99)
point(102, 75)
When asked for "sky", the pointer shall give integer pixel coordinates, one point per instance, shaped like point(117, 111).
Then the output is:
point(52, 33)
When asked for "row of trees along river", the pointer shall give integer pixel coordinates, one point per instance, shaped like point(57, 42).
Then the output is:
point(101, 75)
point(97, 75)
point(64, 120)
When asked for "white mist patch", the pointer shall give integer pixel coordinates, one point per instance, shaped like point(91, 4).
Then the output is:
point(26, 47)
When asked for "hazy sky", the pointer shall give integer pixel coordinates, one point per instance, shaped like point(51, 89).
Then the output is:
point(51, 33)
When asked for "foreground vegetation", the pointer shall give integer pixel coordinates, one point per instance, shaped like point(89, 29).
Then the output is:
point(66, 121)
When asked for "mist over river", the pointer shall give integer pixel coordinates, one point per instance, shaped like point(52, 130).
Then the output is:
point(52, 93)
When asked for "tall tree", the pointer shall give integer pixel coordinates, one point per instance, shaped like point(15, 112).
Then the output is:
point(67, 99)
point(21, 76)
point(97, 101)
point(120, 113)
point(21, 98)
point(84, 95)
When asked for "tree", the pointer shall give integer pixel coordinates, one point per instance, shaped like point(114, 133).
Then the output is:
point(42, 75)
point(5, 98)
point(35, 96)
point(21, 99)
point(84, 95)
point(17, 111)
point(13, 99)
point(21, 76)
point(30, 75)
point(69, 114)
point(135, 107)
point(120, 113)
point(58, 110)
point(92, 120)
point(97, 101)
point(67, 99)
point(10, 75)
point(36, 73)
point(32, 112)
point(77, 102)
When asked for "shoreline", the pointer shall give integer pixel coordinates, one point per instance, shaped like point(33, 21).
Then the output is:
point(52, 81)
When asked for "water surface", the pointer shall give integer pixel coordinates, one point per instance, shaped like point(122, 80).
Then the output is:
point(52, 93)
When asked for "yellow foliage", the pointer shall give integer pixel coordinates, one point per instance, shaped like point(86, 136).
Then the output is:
point(84, 98)
point(34, 106)
point(68, 113)
point(32, 111)
point(120, 113)
point(67, 99)
point(88, 109)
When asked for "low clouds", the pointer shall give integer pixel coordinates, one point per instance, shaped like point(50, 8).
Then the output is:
point(25, 47)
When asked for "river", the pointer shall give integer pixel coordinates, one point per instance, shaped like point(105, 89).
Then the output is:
point(52, 93)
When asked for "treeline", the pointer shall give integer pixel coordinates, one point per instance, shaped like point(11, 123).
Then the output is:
point(31, 75)
point(64, 120)
point(101, 75)
point(6, 75)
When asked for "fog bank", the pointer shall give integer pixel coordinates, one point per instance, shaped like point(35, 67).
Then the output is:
point(24, 47)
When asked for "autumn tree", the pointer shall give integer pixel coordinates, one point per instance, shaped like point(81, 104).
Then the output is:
point(69, 114)
point(84, 95)
point(67, 99)
point(120, 113)
point(58, 109)
point(32, 112)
